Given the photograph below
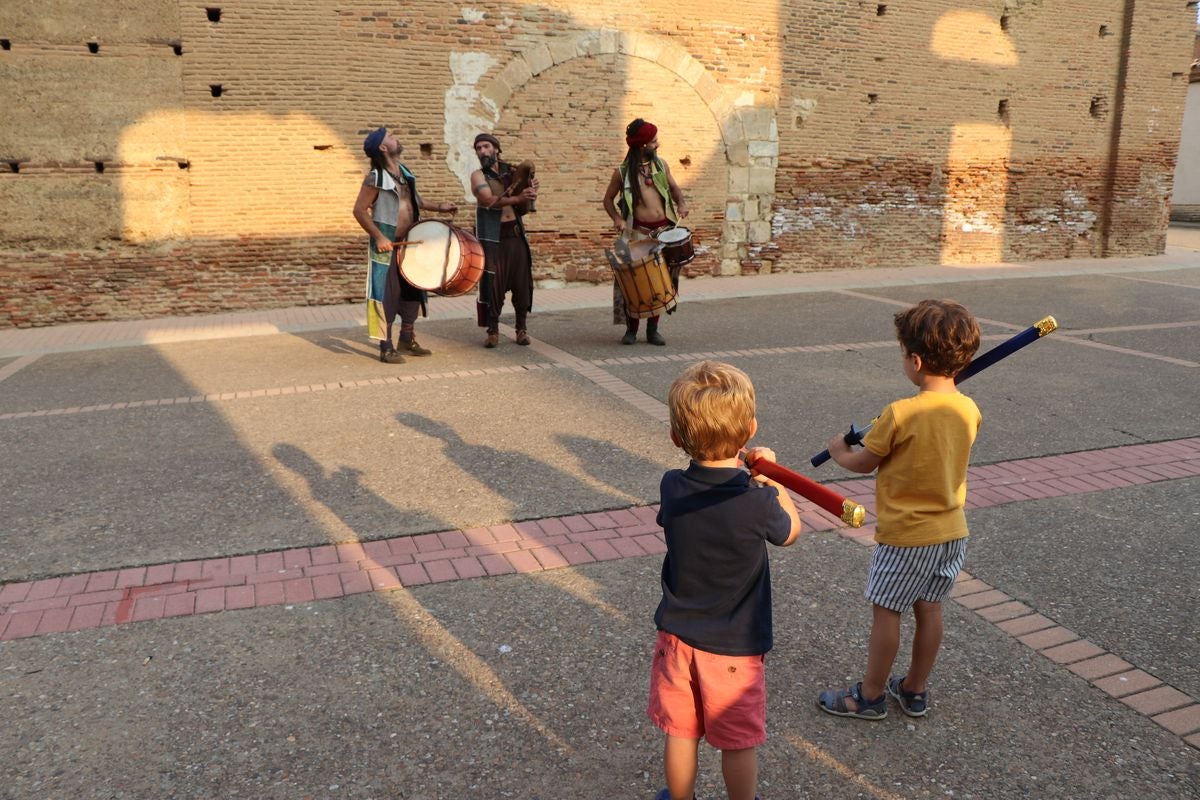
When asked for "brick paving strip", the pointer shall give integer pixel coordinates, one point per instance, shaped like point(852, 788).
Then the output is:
point(300, 575)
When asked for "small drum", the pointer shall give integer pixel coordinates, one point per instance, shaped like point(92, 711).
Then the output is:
point(645, 283)
point(676, 245)
point(441, 258)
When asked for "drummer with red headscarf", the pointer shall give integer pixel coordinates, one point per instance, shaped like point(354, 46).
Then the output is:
point(642, 198)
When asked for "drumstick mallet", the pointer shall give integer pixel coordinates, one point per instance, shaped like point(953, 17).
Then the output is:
point(847, 511)
point(1037, 330)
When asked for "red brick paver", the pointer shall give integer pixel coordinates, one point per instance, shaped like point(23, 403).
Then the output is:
point(324, 572)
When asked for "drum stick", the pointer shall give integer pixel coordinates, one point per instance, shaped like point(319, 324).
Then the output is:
point(1037, 330)
point(847, 511)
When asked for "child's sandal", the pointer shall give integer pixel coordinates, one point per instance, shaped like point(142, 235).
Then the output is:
point(915, 704)
point(834, 702)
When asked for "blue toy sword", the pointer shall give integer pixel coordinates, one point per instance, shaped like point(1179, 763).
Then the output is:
point(1031, 334)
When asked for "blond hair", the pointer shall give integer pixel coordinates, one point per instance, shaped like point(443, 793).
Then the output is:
point(712, 410)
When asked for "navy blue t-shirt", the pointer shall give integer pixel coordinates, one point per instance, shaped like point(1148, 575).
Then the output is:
point(716, 582)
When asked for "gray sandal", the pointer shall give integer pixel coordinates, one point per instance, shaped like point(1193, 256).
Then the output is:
point(834, 702)
point(915, 704)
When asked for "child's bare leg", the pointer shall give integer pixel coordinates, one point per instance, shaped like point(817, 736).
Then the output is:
point(926, 642)
point(881, 652)
point(740, 770)
point(679, 762)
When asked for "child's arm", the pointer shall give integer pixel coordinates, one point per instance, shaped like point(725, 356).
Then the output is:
point(862, 461)
point(785, 499)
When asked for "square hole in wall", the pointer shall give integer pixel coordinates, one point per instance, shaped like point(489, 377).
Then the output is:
point(93, 47)
point(426, 150)
point(1098, 107)
point(214, 14)
point(216, 89)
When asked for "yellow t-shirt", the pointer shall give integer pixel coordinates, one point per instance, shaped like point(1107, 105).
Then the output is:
point(921, 485)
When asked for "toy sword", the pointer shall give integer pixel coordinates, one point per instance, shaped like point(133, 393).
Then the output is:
point(1031, 334)
point(848, 511)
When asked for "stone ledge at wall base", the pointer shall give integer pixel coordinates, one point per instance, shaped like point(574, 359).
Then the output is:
point(1185, 213)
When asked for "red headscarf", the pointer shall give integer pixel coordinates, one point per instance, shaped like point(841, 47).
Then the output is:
point(644, 134)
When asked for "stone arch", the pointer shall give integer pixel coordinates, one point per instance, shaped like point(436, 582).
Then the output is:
point(749, 133)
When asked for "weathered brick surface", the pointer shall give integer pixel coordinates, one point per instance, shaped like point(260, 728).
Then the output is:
point(807, 134)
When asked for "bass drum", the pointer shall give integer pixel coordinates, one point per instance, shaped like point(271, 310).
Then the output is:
point(645, 282)
point(441, 258)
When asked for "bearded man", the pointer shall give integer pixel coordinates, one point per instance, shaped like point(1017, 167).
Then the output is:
point(499, 228)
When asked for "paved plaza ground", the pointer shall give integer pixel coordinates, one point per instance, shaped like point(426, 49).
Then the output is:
point(244, 558)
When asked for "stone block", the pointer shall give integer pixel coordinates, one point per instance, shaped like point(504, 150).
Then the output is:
point(516, 73)
point(738, 154)
point(760, 232)
point(764, 148)
point(539, 59)
point(762, 181)
point(739, 180)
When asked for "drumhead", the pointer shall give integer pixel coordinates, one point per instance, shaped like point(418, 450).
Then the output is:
point(428, 264)
point(643, 250)
point(676, 234)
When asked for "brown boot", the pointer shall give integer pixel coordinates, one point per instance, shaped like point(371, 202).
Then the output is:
point(493, 339)
point(413, 349)
point(522, 337)
point(390, 356)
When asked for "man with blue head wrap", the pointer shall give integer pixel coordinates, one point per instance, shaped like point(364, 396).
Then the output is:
point(387, 206)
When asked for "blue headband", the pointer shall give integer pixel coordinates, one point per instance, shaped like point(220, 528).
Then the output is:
point(373, 142)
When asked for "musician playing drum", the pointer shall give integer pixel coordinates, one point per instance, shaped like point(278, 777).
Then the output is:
point(500, 205)
point(387, 206)
point(642, 198)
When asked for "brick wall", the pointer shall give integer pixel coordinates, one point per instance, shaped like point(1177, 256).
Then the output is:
point(154, 160)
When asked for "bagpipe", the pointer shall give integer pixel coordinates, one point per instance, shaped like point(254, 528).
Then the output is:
point(522, 176)
point(1037, 330)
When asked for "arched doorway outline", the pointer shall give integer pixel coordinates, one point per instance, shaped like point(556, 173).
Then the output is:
point(749, 133)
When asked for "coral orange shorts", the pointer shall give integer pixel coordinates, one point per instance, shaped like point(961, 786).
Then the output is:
point(695, 694)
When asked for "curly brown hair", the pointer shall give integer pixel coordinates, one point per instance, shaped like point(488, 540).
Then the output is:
point(942, 332)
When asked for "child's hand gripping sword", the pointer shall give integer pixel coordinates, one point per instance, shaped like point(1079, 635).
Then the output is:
point(1031, 334)
point(847, 511)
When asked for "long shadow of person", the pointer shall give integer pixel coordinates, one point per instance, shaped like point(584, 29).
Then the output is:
point(533, 487)
point(342, 491)
point(332, 342)
point(633, 475)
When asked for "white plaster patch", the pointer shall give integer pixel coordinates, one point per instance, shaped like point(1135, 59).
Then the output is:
point(472, 14)
point(461, 121)
point(974, 222)
point(818, 210)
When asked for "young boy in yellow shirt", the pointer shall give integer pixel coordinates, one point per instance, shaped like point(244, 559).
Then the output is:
point(921, 446)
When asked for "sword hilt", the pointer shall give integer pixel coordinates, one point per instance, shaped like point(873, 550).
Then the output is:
point(853, 437)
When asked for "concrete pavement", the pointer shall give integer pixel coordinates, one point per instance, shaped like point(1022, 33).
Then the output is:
point(263, 564)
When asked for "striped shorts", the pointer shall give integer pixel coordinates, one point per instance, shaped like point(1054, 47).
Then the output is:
point(900, 576)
